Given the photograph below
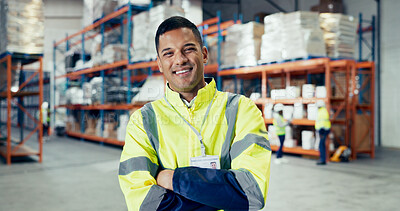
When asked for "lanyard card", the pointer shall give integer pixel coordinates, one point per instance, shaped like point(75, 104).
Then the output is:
point(209, 161)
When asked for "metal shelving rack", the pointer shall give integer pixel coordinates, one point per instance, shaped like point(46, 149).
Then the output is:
point(211, 27)
point(343, 108)
point(13, 147)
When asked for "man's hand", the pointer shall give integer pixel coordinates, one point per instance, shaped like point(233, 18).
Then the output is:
point(164, 179)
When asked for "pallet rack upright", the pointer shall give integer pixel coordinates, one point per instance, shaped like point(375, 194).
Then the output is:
point(13, 147)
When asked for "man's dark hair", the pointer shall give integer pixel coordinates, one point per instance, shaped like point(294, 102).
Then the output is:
point(177, 22)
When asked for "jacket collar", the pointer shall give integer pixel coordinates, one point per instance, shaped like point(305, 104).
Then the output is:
point(204, 95)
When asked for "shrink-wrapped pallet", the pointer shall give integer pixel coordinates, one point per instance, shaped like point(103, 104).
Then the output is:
point(242, 45)
point(271, 45)
point(340, 34)
point(302, 36)
point(21, 26)
point(292, 36)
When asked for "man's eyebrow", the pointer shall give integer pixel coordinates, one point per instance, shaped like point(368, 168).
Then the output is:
point(165, 49)
point(189, 44)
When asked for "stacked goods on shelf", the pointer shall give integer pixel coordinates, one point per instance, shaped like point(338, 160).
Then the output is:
point(115, 52)
point(21, 26)
point(121, 131)
point(144, 30)
point(272, 42)
point(140, 37)
point(291, 36)
point(95, 9)
point(152, 89)
point(242, 45)
point(212, 47)
point(134, 2)
point(340, 34)
point(302, 36)
point(74, 96)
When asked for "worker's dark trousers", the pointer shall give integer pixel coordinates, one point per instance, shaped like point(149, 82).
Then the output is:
point(280, 153)
point(322, 137)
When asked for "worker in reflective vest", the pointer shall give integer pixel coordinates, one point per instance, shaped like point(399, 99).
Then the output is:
point(280, 129)
point(197, 148)
point(45, 120)
point(323, 127)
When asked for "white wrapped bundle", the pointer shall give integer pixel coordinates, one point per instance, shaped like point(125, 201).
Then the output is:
point(134, 2)
point(242, 45)
point(340, 34)
point(312, 111)
point(114, 52)
point(140, 36)
point(301, 43)
point(21, 26)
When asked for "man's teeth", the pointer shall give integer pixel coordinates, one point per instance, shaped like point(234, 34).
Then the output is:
point(182, 71)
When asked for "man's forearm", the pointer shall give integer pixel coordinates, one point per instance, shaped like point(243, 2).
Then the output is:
point(211, 187)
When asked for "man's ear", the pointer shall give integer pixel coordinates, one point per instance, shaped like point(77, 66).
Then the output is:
point(159, 64)
point(205, 54)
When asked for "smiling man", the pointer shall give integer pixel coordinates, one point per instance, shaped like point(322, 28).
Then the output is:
point(170, 143)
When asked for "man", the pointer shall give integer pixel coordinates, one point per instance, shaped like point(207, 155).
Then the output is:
point(170, 143)
point(323, 126)
point(280, 128)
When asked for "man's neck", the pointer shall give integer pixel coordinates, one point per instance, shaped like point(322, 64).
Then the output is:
point(188, 96)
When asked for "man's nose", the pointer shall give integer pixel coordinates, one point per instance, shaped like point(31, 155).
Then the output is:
point(181, 59)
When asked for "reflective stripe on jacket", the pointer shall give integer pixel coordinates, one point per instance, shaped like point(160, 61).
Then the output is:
point(322, 119)
point(279, 123)
point(157, 138)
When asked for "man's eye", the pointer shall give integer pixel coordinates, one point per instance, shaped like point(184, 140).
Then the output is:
point(168, 54)
point(190, 49)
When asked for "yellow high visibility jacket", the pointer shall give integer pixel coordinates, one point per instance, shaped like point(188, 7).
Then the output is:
point(279, 123)
point(157, 138)
point(322, 119)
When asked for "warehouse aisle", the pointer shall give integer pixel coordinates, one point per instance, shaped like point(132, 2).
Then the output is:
point(78, 175)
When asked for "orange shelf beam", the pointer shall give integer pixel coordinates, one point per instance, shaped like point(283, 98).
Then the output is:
point(98, 23)
point(102, 107)
point(211, 68)
point(296, 150)
point(305, 122)
point(214, 28)
point(96, 138)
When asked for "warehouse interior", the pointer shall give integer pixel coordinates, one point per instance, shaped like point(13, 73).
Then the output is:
point(82, 67)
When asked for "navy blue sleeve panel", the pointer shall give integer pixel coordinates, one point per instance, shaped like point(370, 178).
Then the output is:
point(212, 187)
point(173, 201)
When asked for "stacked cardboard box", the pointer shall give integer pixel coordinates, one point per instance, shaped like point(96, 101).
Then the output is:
point(21, 26)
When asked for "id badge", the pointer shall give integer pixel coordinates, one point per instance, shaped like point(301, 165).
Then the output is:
point(208, 161)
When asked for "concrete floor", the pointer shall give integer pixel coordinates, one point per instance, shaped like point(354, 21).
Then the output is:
point(80, 175)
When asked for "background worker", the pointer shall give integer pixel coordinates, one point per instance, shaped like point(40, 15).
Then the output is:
point(45, 120)
point(280, 128)
point(170, 143)
point(323, 126)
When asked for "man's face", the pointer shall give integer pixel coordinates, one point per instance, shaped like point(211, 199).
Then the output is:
point(181, 59)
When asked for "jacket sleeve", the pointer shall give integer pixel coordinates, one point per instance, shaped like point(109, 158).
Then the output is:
point(244, 185)
point(137, 172)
